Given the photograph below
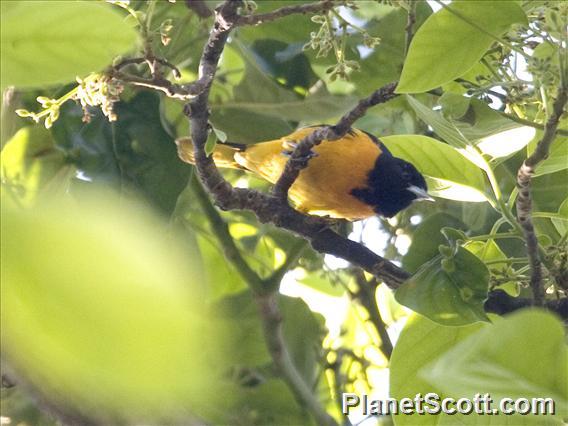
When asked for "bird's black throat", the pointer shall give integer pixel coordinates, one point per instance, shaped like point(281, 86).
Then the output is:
point(387, 191)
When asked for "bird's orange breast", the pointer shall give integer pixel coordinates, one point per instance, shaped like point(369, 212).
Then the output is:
point(324, 187)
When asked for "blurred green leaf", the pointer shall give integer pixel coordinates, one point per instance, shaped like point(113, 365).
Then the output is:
point(481, 121)
point(478, 362)
point(427, 238)
point(421, 342)
point(21, 409)
point(290, 29)
point(439, 44)
point(53, 42)
point(32, 166)
point(450, 291)
point(449, 174)
point(80, 286)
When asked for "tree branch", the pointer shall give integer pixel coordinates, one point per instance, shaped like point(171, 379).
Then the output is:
point(499, 302)
point(227, 196)
point(524, 199)
point(320, 6)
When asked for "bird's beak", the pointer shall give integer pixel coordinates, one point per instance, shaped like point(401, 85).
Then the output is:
point(420, 193)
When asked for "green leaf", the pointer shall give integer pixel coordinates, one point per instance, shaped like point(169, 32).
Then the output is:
point(449, 174)
point(489, 360)
point(557, 159)
point(427, 238)
point(53, 42)
point(81, 283)
point(490, 251)
point(452, 40)
point(33, 166)
point(421, 342)
point(482, 121)
point(450, 291)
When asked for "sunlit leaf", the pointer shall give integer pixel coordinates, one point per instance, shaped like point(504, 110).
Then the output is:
point(452, 40)
point(479, 362)
point(505, 143)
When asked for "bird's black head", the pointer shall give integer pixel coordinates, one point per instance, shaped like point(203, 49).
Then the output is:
point(393, 185)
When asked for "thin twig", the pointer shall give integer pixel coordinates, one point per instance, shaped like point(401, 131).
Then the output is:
point(524, 199)
point(320, 6)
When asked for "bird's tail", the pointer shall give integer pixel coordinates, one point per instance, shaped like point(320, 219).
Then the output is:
point(223, 155)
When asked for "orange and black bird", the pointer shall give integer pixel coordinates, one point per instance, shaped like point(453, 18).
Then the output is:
point(351, 178)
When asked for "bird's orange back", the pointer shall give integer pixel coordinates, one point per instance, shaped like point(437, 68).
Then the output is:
point(324, 187)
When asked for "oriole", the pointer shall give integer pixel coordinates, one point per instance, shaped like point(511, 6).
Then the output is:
point(351, 178)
